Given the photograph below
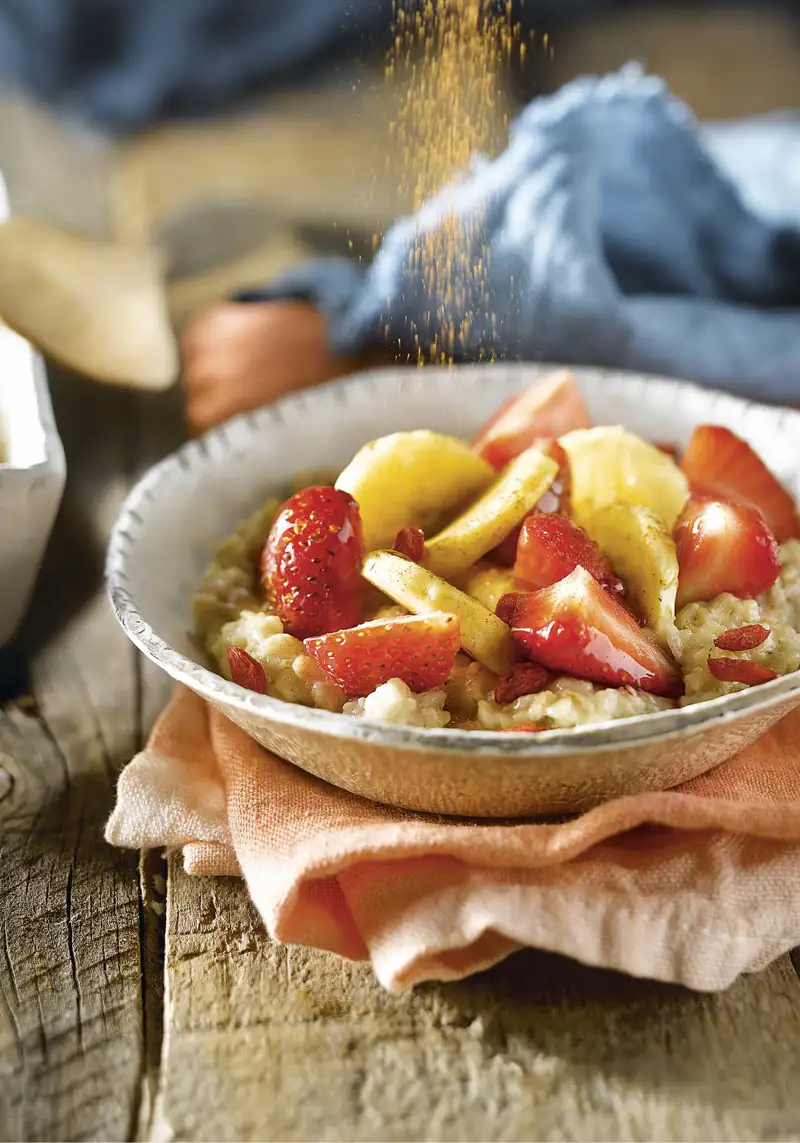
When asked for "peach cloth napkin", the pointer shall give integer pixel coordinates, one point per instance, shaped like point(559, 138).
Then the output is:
point(694, 886)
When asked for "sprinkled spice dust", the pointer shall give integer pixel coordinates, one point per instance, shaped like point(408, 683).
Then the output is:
point(449, 61)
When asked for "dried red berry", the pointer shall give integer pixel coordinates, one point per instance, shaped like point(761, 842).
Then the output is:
point(410, 543)
point(740, 671)
point(522, 679)
point(247, 671)
point(742, 638)
point(524, 728)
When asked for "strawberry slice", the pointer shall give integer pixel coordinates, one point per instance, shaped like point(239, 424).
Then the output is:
point(742, 638)
point(419, 649)
point(311, 563)
point(247, 671)
point(552, 406)
point(723, 548)
point(556, 500)
point(741, 671)
point(578, 628)
point(721, 465)
point(550, 547)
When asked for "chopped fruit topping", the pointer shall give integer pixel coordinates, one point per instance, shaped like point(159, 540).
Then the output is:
point(742, 638)
point(410, 543)
point(554, 501)
point(643, 553)
point(721, 465)
point(724, 548)
point(578, 628)
point(609, 465)
point(416, 479)
point(507, 606)
point(311, 563)
point(418, 649)
point(550, 547)
point(741, 671)
point(552, 406)
point(247, 671)
point(483, 636)
point(522, 679)
point(524, 728)
point(488, 520)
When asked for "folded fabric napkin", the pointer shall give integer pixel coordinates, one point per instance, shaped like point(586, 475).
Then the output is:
point(693, 886)
point(613, 231)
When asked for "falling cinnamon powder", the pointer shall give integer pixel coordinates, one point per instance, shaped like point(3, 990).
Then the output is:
point(449, 62)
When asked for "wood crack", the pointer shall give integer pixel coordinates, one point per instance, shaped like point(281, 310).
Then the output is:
point(71, 939)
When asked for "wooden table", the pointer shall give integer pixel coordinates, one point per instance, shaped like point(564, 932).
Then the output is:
point(139, 1003)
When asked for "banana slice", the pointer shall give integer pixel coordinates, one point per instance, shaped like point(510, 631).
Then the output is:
point(416, 479)
point(613, 466)
point(483, 635)
point(644, 556)
point(489, 520)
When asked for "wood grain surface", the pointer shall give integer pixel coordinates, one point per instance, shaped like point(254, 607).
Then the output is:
point(304, 1046)
point(71, 1016)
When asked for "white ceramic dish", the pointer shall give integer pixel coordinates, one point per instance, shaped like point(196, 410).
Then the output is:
point(175, 517)
point(32, 475)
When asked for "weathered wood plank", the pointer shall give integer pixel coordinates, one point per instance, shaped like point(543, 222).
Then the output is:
point(75, 937)
point(71, 976)
point(70, 970)
point(268, 1043)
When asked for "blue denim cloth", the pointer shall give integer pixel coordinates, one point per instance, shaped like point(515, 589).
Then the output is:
point(619, 234)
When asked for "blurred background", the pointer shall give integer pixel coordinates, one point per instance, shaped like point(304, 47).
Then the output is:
point(240, 136)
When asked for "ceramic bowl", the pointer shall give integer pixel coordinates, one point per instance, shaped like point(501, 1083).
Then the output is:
point(174, 518)
point(32, 475)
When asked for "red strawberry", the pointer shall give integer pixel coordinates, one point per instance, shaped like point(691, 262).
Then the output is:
point(311, 563)
point(522, 679)
point(742, 638)
point(551, 546)
point(721, 465)
point(578, 628)
point(555, 500)
point(741, 671)
point(410, 543)
point(419, 649)
point(247, 671)
point(724, 548)
point(524, 728)
point(551, 407)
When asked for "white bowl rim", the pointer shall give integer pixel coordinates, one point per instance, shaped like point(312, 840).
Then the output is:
point(597, 737)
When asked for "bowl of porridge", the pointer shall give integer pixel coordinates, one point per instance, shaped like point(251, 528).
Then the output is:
point(495, 591)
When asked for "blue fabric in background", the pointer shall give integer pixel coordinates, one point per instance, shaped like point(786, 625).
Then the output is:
point(123, 65)
point(620, 234)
